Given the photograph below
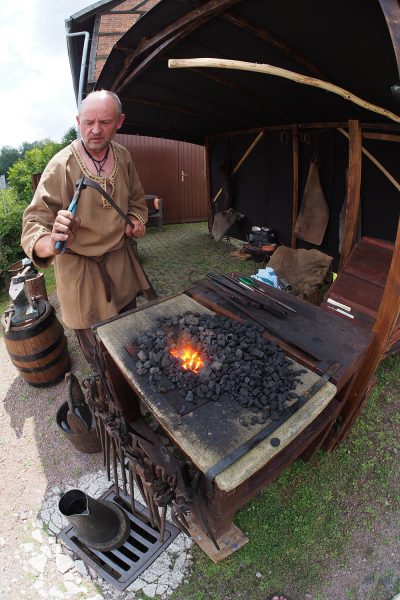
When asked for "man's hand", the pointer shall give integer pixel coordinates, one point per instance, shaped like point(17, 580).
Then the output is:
point(137, 229)
point(64, 229)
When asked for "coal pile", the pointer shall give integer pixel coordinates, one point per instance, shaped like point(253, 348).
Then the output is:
point(239, 364)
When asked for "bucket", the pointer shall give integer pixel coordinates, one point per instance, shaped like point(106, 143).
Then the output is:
point(85, 441)
point(38, 348)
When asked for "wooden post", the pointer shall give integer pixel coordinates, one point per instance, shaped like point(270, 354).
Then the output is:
point(375, 162)
point(208, 185)
point(35, 180)
point(353, 190)
point(295, 202)
point(385, 323)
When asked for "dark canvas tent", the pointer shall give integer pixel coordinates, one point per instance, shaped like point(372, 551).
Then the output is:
point(353, 44)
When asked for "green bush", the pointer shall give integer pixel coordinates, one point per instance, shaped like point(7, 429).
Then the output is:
point(34, 161)
point(17, 197)
point(11, 211)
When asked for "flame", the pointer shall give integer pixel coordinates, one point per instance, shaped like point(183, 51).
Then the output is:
point(190, 358)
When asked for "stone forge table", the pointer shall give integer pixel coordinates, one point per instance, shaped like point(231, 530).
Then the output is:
point(203, 437)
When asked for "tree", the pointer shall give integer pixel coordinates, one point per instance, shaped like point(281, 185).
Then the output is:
point(8, 156)
point(10, 230)
point(34, 161)
point(32, 158)
point(69, 136)
point(25, 146)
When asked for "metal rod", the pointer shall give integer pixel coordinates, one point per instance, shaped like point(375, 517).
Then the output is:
point(107, 440)
point(131, 487)
point(115, 464)
point(122, 463)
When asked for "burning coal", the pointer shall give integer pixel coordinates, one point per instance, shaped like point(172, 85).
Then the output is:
point(208, 357)
point(190, 358)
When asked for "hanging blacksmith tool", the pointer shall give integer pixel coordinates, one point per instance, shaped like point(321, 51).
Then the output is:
point(80, 185)
point(239, 452)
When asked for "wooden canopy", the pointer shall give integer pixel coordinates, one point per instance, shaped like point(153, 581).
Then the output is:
point(351, 43)
point(265, 128)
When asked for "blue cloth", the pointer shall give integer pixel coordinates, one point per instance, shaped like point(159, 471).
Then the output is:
point(268, 276)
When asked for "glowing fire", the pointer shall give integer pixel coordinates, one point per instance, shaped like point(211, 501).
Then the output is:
point(190, 358)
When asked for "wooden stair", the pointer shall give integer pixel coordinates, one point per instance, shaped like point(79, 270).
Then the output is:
point(360, 285)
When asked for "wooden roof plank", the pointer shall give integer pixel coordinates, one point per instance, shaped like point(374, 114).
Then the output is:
point(171, 34)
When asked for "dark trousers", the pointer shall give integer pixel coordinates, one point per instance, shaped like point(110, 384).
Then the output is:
point(86, 337)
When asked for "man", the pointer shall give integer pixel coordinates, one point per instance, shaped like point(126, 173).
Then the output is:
point(98, 276)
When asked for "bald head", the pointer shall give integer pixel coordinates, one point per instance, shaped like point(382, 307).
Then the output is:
point(101, 96)
point(100, 116)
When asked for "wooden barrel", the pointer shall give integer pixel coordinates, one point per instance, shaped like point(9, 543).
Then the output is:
point(38, 348)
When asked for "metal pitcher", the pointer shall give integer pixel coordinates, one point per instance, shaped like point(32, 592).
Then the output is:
point(99, 524)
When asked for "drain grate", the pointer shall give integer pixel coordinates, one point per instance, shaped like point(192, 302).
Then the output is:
point(122, 566)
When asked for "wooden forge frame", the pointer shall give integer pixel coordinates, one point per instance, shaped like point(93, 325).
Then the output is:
point(212, 504)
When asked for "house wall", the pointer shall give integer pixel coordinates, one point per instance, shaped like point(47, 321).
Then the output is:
point(109, 27)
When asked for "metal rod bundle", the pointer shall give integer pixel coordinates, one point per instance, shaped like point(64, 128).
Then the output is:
point(256, 299)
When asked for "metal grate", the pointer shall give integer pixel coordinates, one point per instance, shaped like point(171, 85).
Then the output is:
point(122, 566)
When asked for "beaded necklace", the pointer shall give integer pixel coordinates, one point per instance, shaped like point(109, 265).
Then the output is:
point(98, 164)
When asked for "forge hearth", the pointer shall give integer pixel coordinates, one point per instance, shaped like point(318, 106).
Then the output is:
point(209, 358)
point(177, 461)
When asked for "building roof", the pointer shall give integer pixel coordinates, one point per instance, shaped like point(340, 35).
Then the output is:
point(354, 44)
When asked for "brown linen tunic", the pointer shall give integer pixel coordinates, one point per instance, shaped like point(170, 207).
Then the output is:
point(80, 286)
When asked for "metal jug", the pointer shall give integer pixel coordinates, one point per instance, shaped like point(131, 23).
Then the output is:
point(99, 524)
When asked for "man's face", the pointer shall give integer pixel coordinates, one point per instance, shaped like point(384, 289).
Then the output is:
point(98, 122)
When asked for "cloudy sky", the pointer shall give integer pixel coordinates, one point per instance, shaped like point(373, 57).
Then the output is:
point(36, 91)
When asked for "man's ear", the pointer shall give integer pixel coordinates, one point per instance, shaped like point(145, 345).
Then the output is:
point(121, 120)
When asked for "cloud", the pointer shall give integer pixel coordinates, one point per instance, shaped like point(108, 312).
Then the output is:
point(36, 91)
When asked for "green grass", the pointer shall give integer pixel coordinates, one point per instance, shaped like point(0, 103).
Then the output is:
point(179, 251)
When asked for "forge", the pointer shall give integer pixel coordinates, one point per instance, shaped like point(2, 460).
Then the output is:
point(201, 431)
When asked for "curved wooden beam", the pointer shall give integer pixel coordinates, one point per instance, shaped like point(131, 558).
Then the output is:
point(267, 36)
point(217, 63)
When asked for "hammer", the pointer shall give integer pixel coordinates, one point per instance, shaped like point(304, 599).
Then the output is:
point(80, 185)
